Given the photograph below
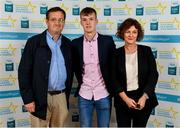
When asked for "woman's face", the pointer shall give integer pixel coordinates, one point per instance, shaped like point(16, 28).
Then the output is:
point(130, 35)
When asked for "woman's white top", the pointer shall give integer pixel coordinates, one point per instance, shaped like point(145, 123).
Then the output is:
point(132, 71)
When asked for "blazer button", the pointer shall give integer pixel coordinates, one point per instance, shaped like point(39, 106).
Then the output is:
point(48, 62)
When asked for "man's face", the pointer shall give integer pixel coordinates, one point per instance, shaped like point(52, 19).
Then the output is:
point(55, 22)
point(89, 23)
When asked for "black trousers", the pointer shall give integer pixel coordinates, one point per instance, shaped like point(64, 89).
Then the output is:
point(127, 117)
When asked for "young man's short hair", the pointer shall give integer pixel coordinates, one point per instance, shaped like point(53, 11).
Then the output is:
point(88, 10)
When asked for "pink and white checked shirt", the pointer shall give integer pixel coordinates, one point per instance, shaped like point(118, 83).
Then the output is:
point(93, 85)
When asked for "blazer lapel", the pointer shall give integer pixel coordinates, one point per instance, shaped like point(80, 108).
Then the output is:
point(140, 63)
point(123, 63)
point(100, 48)
point(43, 41)
point(80, 50)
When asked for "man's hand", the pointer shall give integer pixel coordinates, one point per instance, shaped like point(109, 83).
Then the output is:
point(30, 107)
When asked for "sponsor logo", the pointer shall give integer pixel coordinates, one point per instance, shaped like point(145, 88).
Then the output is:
point(8, 7)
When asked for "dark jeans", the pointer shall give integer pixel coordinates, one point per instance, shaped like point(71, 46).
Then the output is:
point(103, 111)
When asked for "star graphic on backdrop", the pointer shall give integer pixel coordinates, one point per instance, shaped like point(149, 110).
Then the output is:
point(172, 112)
point(96, 8)
point(175, 20)
point(13, 79)
point(11, 20)
point(176, 53)
point(10, 49)
point(161, 7)
point(77, 22)
point(65, 8)
point(126, 7)
point(157, 123)
point(108, 22)
point(30, 5)
point(174, 83)
point(10, 78)
point(142, 22)
point(160, 67)
point(12, 107)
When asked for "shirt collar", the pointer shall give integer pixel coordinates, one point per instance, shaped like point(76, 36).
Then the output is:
point(93, 39)
point(51, 37)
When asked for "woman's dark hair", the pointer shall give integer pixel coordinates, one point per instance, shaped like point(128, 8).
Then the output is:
point(126, 25)
point(55, 9)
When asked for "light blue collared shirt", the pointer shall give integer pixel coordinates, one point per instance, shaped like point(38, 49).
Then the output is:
point(57, 73)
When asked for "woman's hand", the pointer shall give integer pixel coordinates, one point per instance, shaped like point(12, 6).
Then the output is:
point(142, 102)
point(130, 102)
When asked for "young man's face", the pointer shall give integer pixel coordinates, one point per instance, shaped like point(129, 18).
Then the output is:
point(89, 22)
point(55, 22)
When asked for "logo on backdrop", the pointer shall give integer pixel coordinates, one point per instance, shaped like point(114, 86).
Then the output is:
point(9, 65)
point(154, 24)
point(139, 10)
point(175, 8)
point(75, 10)
point(43, 8)
point(8, 6)
point(172, 68)
point(24, 22)
point(18, 122)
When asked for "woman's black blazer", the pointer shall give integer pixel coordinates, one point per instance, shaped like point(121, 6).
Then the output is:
point(147, 73)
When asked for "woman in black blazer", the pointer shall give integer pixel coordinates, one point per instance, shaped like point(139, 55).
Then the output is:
point(135, 76)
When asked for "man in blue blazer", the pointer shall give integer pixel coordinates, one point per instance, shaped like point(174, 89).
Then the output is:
point(45, 73)
point(92, 54)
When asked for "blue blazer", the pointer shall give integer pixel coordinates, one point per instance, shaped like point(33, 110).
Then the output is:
point(147, 74)
point(106, 47)
point(33, 71)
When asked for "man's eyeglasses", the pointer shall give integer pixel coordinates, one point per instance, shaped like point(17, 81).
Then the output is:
point(57, 20)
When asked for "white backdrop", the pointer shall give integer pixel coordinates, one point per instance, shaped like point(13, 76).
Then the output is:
point(20, 19)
